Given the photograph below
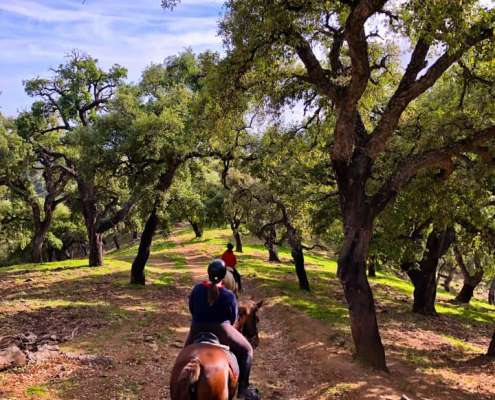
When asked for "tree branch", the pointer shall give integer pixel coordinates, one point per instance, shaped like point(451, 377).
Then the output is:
point(437, 158)
point(410, 87)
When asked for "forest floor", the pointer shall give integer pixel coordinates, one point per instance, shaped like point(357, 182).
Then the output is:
point(305, 350)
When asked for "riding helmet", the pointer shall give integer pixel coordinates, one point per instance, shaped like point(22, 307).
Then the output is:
point(216, 270)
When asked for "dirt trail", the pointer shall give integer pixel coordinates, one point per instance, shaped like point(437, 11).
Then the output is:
point(294, 361)
point(299, 358)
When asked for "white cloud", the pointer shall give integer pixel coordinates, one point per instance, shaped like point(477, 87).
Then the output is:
point(37, 35)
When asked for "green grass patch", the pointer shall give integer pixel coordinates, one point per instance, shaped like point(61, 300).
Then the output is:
point(462, 345)
point(37, 391)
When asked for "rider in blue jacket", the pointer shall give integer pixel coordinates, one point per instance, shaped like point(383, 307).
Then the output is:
point(214, 309)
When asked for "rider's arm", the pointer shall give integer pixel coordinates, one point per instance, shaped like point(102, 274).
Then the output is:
point(233, 308)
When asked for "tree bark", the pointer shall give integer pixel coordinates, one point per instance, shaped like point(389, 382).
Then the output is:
point(371, 267)
point(352, 274)
point(491, 348)
point(37, 243)
point(137, 269)
point(423, 277)
point(116, 242)
point(198, 231)
point(41, 226)
point(164, 183)
point(471, 281)
point(272, 252)
point(298, 257)
point(95, 249)
point(491, 292)
point(358, 214)
point(234, 225)
point(448, 278)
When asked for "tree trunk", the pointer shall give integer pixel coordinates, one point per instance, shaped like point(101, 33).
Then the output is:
point(298, 256)
point(294, 240)
point(448, 278)
point(423, 277)
point(357, 291)
point(164, 182)
point(95, 239)
point(470, 280)
point(198, 231)
point(371, 267)
point(116, 242)
point(491, 348)
point(137, 270)
point(95, 248)
point(37, 246)
point(234, 225)
point(272, 252)
point(41, 227)
point(491, 292)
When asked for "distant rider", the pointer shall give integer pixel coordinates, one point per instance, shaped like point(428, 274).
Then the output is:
point(230, 261)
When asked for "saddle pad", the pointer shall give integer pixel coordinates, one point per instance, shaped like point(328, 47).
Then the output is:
point(226, 348)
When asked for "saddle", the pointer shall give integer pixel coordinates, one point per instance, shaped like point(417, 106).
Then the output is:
point(210, 338)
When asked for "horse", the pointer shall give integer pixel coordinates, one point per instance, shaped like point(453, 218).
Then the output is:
point(203, 371)
point(230, 283)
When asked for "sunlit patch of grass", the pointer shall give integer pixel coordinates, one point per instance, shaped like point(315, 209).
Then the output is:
point(341, 389)
point(394, 282)
point(37, 391)
point(417, 359)
point(462, 345)
point(466, 313)
point(66, 264)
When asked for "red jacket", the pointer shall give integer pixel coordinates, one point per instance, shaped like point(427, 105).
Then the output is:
point(229, 258)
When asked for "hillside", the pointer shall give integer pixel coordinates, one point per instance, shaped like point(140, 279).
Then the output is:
point(110, 340)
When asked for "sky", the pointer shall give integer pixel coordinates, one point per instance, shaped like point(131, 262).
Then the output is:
point(37, 34)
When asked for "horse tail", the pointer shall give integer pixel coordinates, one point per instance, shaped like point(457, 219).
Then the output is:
point(190, 376)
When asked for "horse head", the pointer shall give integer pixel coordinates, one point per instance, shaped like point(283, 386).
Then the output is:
point(248, 320)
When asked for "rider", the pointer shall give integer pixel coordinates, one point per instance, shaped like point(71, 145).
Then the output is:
point(230, 261)
point(214, 309)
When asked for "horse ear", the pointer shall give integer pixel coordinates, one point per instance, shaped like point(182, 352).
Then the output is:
point(259, 304)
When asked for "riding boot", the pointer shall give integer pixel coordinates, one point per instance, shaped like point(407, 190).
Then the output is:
point(244, 391)
point(244, 371)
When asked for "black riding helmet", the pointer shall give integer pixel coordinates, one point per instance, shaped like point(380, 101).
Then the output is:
point(216, 270)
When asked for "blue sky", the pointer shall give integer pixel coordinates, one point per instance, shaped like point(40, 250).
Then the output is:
point(36, 35)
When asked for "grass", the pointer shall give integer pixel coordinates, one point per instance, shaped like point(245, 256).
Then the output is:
point(37, 391)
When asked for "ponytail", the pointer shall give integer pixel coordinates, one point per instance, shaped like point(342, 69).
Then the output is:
point(213, 293)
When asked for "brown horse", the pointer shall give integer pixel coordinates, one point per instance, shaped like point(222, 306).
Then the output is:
point(203, 371)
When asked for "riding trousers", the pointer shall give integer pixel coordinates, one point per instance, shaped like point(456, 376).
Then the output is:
point(228, 336)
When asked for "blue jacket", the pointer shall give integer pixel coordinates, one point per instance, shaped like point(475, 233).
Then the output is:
point(222, 310)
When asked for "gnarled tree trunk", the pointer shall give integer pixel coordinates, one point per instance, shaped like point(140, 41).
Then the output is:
point(423, 276)
point(491, 348)
point(491, 292)
point(198, 231)
point(234, 225)
point(352, 274)
point(471, 281)
point(294, 240)
point(358, 213)
point(137, 269)
point(164, 183)
point(270, 236)
point(371, 267)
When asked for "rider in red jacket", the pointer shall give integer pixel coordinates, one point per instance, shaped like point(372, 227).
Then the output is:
point(230, 260)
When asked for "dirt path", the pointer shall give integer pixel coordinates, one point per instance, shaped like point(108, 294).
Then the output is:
point(298, 358)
